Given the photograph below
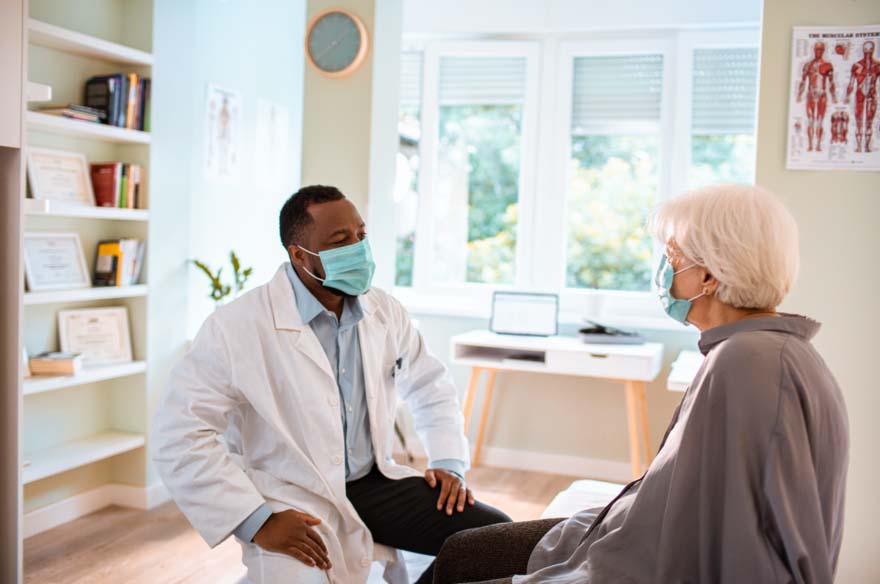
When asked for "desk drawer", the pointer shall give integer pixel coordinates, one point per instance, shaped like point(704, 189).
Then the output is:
point(600, 364)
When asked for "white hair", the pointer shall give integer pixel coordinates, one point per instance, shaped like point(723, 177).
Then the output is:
point(743, 235)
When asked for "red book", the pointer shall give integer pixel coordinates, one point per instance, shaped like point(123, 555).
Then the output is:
point(105, 182)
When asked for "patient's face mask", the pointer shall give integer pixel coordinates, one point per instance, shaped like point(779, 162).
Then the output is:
point(348, 269)
point(676, 308)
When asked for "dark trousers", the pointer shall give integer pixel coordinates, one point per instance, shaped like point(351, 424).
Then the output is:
point(490, 555)
point(403, 514)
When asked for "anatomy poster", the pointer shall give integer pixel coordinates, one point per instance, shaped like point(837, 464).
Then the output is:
point(832, 109)
point(223, 121)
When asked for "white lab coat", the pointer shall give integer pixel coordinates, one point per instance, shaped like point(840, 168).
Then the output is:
point(258, 376)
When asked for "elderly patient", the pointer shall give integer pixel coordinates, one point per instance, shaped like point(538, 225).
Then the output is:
point(748, 485)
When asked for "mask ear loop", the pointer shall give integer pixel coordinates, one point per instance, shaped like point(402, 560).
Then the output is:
point(700, 295)
point(306, 269)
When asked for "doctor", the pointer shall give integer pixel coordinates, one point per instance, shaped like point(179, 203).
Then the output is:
point(299, 380)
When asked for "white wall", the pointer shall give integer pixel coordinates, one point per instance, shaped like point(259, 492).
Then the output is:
point(837, 214)
point(257, 51)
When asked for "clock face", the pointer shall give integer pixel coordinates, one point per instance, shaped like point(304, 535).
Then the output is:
point(336, 43)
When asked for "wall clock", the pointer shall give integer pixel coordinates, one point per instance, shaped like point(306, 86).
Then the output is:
point(336, 43)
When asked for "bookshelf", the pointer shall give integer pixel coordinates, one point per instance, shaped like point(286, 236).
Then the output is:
point(39, 208)
point(81, 433)
point(43, 383)
point(76, 453)
point(86, 130)
point(85, 294)
point(62, 39)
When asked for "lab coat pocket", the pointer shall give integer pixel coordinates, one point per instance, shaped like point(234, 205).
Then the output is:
point(400, 368)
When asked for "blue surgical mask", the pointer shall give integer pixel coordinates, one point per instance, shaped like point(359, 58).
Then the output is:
point(348, 269)
point(676, 308)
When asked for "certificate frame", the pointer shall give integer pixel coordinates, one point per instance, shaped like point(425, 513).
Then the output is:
point(36, 281)
point(73, 334)
point(49, 182)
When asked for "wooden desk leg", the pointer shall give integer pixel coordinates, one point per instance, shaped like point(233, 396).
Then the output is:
point(484, 415)
point(643, 414)
point(632, 420)
point(469, 396)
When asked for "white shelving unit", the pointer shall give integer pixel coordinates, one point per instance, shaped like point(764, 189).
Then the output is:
point(69, 41)
point(40, 208)
point(76, 453)
point(44, 383)
point(81, 129)
point(85, 294)
point(105, 418)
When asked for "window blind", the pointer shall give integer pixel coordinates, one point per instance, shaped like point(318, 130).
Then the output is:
point(411, 79)
point(725, 86)
point(615, 89)
point(482, 80)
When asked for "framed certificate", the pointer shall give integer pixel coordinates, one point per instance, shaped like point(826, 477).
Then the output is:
point(58, 175)
point(54, 261)
point(100, 334)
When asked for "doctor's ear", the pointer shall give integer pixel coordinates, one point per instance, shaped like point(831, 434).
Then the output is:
point(296, 255)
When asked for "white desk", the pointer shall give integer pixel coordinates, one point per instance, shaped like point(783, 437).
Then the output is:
point(631, 364)
point(683, 370)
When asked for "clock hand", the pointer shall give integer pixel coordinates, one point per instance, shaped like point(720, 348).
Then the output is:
point(332, 46)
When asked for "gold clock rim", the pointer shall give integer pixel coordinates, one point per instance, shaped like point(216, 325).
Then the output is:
point(362, 51)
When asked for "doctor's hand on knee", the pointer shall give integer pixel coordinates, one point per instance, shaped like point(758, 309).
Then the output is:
point(290, 532)
point(454, 493)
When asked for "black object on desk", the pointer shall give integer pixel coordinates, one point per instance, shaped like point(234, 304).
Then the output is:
point(608, 335)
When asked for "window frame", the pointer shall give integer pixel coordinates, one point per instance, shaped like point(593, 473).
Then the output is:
point(428, 153)
point(546, 148)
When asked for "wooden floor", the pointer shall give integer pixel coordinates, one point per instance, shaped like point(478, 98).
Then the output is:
point(118, 545)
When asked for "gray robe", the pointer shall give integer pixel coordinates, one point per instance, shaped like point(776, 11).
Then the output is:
point(748, 485)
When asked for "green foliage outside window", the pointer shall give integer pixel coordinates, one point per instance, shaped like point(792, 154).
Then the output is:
point(612, 188)
point(491, 136)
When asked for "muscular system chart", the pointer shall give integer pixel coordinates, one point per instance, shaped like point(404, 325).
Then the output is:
point(832, 110)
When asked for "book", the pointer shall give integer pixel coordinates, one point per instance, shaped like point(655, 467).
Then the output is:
point(132, 105)
point(129, 257)
point(104, 93)
point(138, 262)
point(123, 187)
point(52, 363)
point(122, 98)
point(119, 262)
point(118, 184)
point(145, 105)
point(74, 111)
point(108, 264)
point(105, 182)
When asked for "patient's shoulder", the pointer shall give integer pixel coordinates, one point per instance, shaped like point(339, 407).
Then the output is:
point(744, 371)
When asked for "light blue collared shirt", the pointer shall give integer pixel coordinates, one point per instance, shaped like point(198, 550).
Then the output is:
point(339, 339)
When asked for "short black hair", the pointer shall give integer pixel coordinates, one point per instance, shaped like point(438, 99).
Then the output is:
point(295, 217)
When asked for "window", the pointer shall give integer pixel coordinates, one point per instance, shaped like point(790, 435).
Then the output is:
point(724, 94)
point(476, 183)
point(613, 170)
point(406, 198)
point(535, 164)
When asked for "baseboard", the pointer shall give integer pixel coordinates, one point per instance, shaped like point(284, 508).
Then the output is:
point(66, 510)
point(575, 466)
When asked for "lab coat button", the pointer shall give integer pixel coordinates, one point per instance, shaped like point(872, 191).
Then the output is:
point(337, 460)
point(365, 562)
point(333, 401)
